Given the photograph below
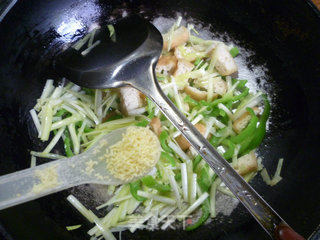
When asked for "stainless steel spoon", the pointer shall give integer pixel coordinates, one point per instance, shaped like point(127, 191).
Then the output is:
point(88, 167)
point(130, 61)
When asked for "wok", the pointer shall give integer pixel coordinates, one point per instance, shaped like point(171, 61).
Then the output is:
point(282, 38)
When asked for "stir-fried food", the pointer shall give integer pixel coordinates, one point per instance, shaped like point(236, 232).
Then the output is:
point(198, 76)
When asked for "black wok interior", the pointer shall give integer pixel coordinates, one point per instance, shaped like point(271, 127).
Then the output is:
point(284, 35)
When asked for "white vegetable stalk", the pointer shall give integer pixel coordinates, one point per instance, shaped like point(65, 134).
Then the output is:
point(121, 194)
point(80, 130)
point(86, 51)
point(179, 151)
point(172, 218)
point(97, 104)
point(250, 102)
point(194, 206)
point(209, 126)
point(36, 120)
point(190, 175)
point(57, 92)
point(146, 217)
point(224, 108)
point(54, 140)
point(33, 162)
point(48, 88)
point(193, 192)
point(184, 181)
point(82, 209)
point(79, 44)
point(276, 178)
point(166, 213)
point(74, 138)
point(158, 198)
point(46, 155)
point(106, 233)
point(225, 191)
point(213, 191)
point(175, 187)
point(229, 82)
point(66, 121)
point(46, 122)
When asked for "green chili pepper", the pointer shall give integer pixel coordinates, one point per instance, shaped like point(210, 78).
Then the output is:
point(197, 61)
point(177, 177)
point(162, 117)
point(231, 146)
point(142, 123)
point(193, 102)
point(134, 187)
point(150, 182)
point(88, 91)
point(67, 144)
point(204, 103)
point(248, 131)
point(87, 129)
point(204, 180)
point(196, 161)
point(241, 84)
point(234, 52)
point(261, 129)
point(61, 112)
point(78, 124)
point(245, 144)
point(224, 118)
point(241, 95)
point(227, 98)
point(150, 108)
point(169, 158)
point(229, 104)
point(114, 117)
point(204, 216)
point(214, 141)
point(163, 137)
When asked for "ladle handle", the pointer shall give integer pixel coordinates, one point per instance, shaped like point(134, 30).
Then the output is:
point(259, 209)
point(32, 183)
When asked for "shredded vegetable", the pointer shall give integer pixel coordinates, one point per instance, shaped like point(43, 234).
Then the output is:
point(182, 182)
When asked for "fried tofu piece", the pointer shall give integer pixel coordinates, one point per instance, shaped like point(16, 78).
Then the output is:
point(155, 124)
point(130, 99)
point(195, 93)
point(240, 123)
point(179, 36)
point(183, 66)
point(166, 64)
point(183, 143)
point(247, 163)
point(225, 63)
point(219, 86)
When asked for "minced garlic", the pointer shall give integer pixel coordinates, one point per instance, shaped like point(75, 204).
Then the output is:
point(135, 155)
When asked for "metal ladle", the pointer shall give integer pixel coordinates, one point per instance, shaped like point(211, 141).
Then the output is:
point(129, 59)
